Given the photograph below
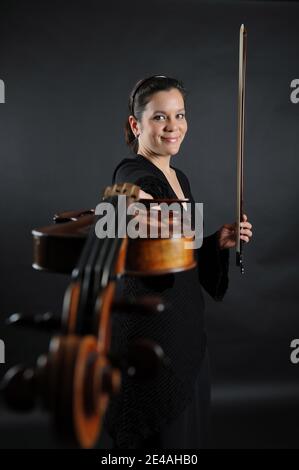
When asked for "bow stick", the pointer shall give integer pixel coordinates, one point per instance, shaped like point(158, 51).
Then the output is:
point(240, 147)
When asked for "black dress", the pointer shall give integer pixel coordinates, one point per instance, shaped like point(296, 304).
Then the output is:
point(171, 410)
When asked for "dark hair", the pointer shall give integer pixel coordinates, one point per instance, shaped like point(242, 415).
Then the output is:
point(140, 96)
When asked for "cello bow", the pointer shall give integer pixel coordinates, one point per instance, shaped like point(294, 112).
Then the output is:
point(240, 144)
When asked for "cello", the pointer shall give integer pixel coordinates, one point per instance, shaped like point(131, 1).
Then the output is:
point(75, 380)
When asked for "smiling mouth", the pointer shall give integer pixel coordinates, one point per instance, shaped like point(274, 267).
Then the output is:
point(170, 139)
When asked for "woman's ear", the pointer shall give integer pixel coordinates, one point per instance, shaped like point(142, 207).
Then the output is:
point(134, 125)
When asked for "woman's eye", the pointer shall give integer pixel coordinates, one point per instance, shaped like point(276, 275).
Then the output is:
point(158, 116)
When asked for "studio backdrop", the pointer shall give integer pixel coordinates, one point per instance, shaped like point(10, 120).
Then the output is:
point(66, 70)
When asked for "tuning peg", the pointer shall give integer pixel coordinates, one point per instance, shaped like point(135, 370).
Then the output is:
point(43, 321)
point(111, 380)
point(145, 359)
point(71, 216)
point(17, 388)
point(142, 305)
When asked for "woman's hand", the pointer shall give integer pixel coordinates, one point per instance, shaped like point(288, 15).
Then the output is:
point(144, 195)
point(228, 233)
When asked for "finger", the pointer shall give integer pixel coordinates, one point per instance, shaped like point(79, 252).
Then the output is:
point(245, 225)
point(243, 237)
point(230, 226)
point(246, 232)
point(244, 217)
point(144, 195)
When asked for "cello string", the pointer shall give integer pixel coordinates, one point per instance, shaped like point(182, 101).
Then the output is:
point(93, 268)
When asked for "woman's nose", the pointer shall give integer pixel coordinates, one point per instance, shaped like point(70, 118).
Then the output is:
point(171, 124)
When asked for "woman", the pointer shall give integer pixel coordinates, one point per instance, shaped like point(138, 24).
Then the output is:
point(171, 410)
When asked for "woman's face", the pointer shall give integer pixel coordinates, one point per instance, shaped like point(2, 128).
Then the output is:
point(163, 125)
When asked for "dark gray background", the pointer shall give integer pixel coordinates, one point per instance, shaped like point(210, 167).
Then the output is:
point(68, 68)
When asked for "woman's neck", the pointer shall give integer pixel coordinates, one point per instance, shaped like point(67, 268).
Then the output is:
point(163, 163)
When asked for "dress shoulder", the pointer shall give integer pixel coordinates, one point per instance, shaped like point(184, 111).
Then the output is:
point(125, 167)
point(143, 174)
